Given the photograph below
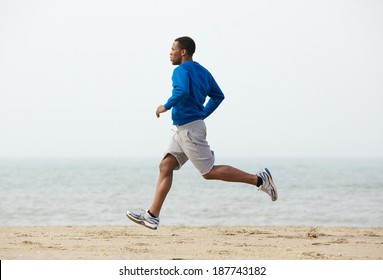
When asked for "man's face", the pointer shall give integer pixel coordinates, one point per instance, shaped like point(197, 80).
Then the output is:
point(176, 54)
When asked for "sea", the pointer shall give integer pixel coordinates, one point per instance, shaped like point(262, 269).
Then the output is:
point(98, 191)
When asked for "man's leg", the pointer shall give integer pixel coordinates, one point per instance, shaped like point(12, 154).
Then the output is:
point(228, 173)
point(164, 183)
point(231, 174)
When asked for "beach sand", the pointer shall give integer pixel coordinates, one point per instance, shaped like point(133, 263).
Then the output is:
point(191, 243)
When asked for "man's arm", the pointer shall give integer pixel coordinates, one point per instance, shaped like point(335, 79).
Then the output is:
point(180, 90)
point(216, 97)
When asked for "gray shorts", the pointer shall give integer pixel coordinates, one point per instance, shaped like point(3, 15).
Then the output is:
point(189, 142)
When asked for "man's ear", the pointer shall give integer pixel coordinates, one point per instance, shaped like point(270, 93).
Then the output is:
point(183, 52)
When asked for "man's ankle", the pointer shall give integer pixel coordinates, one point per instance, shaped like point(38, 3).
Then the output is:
point(151, 214)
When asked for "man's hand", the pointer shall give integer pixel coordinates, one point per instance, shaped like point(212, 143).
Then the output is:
point(160, 109)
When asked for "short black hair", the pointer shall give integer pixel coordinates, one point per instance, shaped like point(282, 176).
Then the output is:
point(186, 43)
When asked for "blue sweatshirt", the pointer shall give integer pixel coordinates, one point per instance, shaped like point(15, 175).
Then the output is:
point(192, 83)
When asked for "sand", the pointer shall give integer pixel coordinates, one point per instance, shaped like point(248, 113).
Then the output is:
point(191, 243)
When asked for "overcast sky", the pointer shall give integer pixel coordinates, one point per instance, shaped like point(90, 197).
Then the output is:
point(84, 77)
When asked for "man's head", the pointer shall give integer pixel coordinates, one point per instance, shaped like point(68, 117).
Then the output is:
point(182, 50)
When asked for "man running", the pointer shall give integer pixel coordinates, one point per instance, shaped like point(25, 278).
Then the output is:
point(192, 84)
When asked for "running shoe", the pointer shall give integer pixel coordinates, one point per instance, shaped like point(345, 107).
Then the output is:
point(143, 218)
point(268, 184)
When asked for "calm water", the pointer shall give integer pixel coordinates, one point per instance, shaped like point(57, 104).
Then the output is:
point(313, 192)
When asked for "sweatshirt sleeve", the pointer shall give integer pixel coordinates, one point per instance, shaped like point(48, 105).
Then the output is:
point(180, 80)
point(216, 97)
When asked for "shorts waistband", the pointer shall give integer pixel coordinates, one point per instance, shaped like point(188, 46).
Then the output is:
point(191, 124)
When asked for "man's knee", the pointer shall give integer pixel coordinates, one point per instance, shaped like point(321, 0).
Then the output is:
point(209, 175)
point(168, 164)
point(206, 176)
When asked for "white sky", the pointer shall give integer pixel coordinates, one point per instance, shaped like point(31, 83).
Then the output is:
point(84, 77)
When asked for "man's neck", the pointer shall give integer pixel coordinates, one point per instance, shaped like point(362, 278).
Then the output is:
point(186, 58)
